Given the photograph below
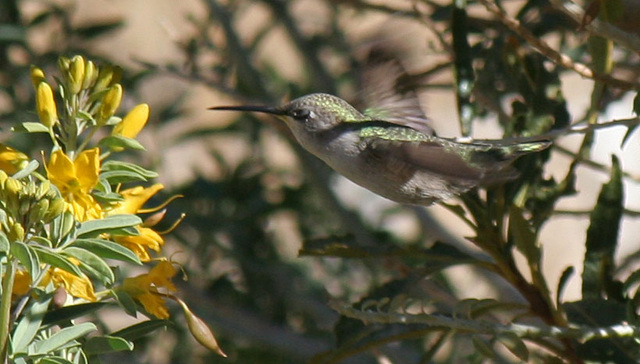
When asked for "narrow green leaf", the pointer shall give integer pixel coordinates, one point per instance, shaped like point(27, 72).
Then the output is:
point(30, 127)
point(113, 165)
point(483, 347)
point(107, 249)
point(68, 313)
point(562, 282)
point(602, 236)
point(63, 337)
point(93, 228)
point(126, 302)
point(106, 344)
point(92, 263)
point(115, 177)
point(117, 141)
point(523, 236)
point(139, 330)
point(31, 167)
point(29, 325)
point(54, 360)
point(463, 68)
point(27, 257)
point(56, 260)
point(514, 344)
point(4, 243)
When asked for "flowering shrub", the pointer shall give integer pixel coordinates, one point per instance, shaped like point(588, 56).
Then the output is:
point(67, 226)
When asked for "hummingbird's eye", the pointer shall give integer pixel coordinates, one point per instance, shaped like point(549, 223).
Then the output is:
point(300, 114)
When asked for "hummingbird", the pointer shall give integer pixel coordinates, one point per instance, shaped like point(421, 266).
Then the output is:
point(389, 148)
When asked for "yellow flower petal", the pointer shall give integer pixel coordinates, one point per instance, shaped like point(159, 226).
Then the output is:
point(144, 288)
point(148, 239)
point(75, 180)
point(161, 275)
point(21, 284)
point(11, 160)
point(87, 166)
point(80, 287)
point(134, 199)
point(133, 122)
point(60, 170)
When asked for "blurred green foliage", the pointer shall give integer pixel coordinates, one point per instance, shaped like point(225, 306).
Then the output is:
point(384, 290)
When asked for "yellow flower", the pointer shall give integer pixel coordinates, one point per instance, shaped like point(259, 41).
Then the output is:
point(77, 286)
point(145, 288)
point(134, 199)
point(75, 180)
point(11, 161)
point(133, 122)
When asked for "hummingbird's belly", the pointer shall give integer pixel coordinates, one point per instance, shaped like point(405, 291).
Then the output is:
point(393, 180)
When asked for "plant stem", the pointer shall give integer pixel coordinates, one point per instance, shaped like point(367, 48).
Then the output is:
point(5, 307)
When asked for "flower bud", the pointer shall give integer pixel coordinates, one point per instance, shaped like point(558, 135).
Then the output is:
point(110, 104)
point(90, 75)
point(16, 232)
point(56, 207)
point(76, 74)
point(133, 122)
point(43, 189)
point(45, 105)
point(63, 65)
point(37, 76)
point(200, 330)
point(105, 76)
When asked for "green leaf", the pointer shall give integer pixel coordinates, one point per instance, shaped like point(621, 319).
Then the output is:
point(30, 127)
point(106, 344)
point(602, 237)
point(523, 236)
point(68, 313)
point(483, 347)
point(29, 325)
point(56, 260)
point(27, 257)
point(113, 165)
point(107, 249)
point(31, 167)
point(54, 360)
point(562, 282)
point(139, 330)
point(4, 243)
point(126, 302)
point(117, 141)
point(115, 177)
point(110, 224)
point(92, 263)
point(63, 337)
point(514, 344)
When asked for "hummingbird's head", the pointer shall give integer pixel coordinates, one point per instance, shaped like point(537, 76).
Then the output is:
point(310, 113)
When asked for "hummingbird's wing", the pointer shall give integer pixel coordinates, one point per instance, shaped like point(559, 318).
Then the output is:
point(384, 97)
point(466, 164)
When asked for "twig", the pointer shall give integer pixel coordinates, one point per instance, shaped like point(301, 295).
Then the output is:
point(545, 49)
point(597, 26)
point(580, 333)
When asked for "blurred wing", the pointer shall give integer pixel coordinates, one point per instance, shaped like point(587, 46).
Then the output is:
point(384, 99)
point(467, 163)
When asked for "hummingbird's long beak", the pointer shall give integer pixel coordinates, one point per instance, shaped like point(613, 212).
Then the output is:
point(254, 108)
